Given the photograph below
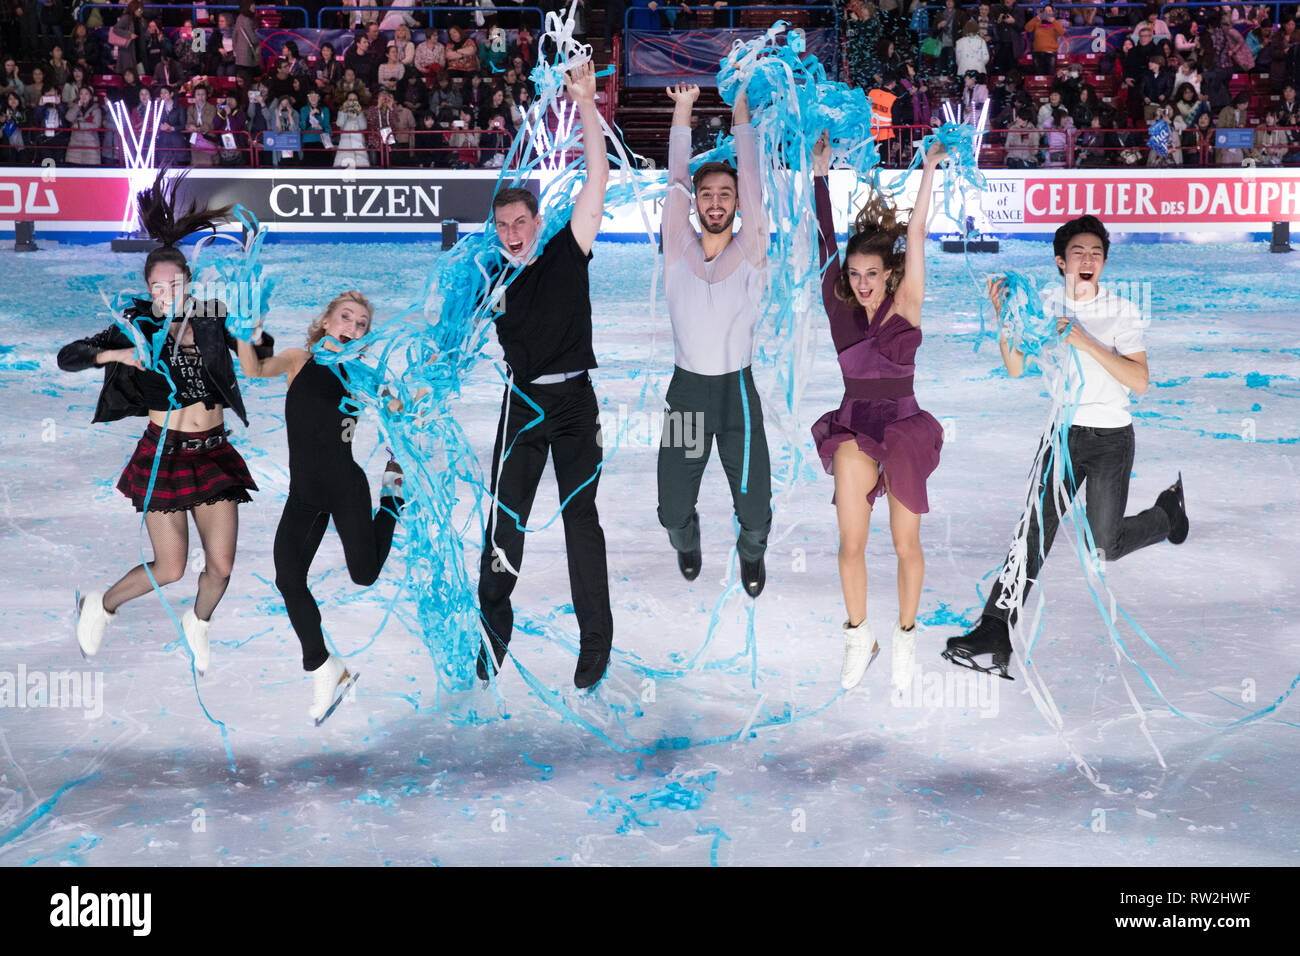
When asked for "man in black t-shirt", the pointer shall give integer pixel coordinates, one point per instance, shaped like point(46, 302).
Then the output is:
point(544, 325)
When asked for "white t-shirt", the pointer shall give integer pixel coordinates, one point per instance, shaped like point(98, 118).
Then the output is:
point(1115, 322)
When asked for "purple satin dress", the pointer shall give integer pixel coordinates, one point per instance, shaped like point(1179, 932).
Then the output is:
point(877, 359)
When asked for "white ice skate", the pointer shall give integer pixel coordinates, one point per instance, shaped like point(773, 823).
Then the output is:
point(196, 636)
point(329, 684)
point(903, 656)
point(859, 651)
point(91, 621)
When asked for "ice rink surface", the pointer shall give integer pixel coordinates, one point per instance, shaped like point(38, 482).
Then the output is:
point(743, 759)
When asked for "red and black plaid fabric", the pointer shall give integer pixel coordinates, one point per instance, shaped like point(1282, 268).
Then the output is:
point(185, 478)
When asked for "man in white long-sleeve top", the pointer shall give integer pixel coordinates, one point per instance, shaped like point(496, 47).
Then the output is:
point(714, 283)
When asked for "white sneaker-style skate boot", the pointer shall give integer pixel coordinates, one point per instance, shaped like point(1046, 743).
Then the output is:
point(329, 683)
point(91, 621)
point(196, 636)
point(859, 651)
point(903, 656)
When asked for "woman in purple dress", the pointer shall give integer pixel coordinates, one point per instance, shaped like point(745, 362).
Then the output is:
point(878, 441)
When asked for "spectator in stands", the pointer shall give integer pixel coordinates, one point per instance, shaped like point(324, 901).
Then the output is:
point(72, 88)
point(199, 117)
point(523, 99)
point(1289, 110)
point(51, 141)
point(170, 146)
point(1138, 55)
point(12, 120)
point(1056, 131)
point(290, 56)
point(1157, 87)
point(1188, 104)
point(57, 69)
point(1187, 73)
point(948, 26)
point(126, 37)
point(259, 118)
point(1090, 145)
point(427, 142)
point(351, 84)
point(615, 16)
point(155, 45)
point(284, 119)
point(974, 94)
point(248, 59)
point(971, 52)
point(329, 70)
point(1198, 140)
point(405, 45)
point(464, 141)
point(168, 72)
point(357, 59)
point(280, 83)
point(1008, 41)
point(229, 129)
point(1048, 109)
point(475, 94)
point(11, 82)
point(1009, 99)
point(496, 105)
point(314, 121)
point(219, 57)
point(1069, 81)
point(1271, 144)
point(1151, 21)
point(129, 91)
point(50, 15)
point(461, 53)
point(1085, 107)
point(33, 89)
point(1022, 142)
point(393, 70)
point(525, 49)
point(84, 50)
point(1233, 116)
point(86, 119)
point(351, 139)
point(388, 126)
point(398, 16)
point(430, 56)
point(1047, 32)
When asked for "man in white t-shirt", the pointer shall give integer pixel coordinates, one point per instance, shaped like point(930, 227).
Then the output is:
point(1106, 333)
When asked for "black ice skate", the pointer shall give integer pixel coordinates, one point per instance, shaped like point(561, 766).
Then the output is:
point(988, 637)
point(1171, 500)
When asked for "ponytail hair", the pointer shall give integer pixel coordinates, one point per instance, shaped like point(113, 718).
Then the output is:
point(877, 231)
point(158, 215)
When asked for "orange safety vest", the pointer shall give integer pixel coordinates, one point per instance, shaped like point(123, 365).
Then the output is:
point(882, 114)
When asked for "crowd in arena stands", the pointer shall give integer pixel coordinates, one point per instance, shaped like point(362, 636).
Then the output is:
point(398, 92)
point(392, 95)
point(1134, 75)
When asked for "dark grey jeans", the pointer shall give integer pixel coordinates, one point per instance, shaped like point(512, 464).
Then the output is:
point(1102, 461)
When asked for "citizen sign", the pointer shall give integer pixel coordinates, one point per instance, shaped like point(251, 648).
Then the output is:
point(353, 200)
point(373, 201)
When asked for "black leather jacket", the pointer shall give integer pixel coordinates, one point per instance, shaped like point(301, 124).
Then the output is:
point(121, 395)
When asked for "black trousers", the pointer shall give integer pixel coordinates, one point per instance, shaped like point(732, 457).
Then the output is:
point(367, 539)
point(569, 432)
point(1104, 458)
point(702, 408)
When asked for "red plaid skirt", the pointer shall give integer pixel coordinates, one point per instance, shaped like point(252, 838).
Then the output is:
point(186, 478)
